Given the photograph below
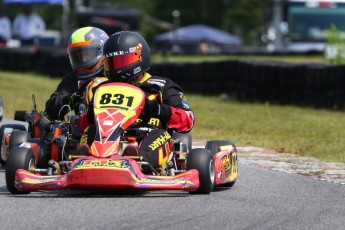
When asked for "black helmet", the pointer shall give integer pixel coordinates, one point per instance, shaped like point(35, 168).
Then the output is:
point(126, 56)
point(84, 49)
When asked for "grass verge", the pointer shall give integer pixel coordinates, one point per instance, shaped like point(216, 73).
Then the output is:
point(304, 131)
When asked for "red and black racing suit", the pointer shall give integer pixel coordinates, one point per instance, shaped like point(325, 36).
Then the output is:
point(175, 114)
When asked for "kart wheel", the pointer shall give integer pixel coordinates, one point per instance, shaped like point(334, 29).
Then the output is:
point(19, 158)
point(3, 147)
point(202, 160)
point(186, 138)
point(213, 146)
point(18, 137)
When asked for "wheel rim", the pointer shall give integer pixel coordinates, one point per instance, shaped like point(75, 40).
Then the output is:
point(212, 171)
point(31, 166)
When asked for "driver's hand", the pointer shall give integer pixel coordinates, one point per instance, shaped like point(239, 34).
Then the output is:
point(149, 89)
point(152, 108)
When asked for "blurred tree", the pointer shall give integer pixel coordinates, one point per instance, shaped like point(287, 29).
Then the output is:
point(245, 18)
point(241, 17)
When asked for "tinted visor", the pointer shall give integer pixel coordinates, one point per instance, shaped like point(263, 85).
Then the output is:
point(120, 61)
point(81, 56)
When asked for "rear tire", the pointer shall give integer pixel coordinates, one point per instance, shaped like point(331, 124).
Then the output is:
point(19, 158)
point(213, 146)
point(3, 156)
point(202, 160)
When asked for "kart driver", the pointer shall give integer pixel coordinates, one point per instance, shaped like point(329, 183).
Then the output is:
point(86, 58)
point(126, 59)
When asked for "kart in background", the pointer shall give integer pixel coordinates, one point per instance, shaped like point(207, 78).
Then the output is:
point(105, 167)
point(11, 135)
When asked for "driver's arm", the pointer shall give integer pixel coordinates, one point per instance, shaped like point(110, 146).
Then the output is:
point(61, 97)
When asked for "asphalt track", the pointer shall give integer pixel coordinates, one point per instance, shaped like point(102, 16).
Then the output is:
point(261, 199)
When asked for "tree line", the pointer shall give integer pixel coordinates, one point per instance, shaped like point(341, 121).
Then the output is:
point(241, 17)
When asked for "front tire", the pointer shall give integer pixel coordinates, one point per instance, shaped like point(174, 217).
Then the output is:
point(19, 158)
point(18, 137)
point(3, 148)
point(202, 160)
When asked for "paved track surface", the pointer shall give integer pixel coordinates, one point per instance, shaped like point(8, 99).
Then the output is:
point(261, 199)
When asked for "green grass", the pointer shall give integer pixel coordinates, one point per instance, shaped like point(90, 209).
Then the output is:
point(289, 129)
point(304, 131)
point(16, 90)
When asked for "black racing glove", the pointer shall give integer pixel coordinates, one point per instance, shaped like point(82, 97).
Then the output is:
point(152, 108)
point(149, 89)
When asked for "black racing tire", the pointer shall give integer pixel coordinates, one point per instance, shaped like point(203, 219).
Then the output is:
point(18, 137)
point(202, 160)
point(19, 158)
point(2, 129)
point(213, 146)
point(186, 138)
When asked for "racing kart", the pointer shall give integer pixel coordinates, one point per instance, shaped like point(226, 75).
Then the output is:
point(105, 166)
point(12, 135)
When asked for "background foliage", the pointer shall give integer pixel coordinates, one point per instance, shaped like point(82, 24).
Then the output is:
point(240, 17)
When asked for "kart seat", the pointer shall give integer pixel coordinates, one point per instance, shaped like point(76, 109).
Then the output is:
point(130, 150)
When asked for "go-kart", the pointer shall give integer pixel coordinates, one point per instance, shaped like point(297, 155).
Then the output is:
point(106, 167)
point(11, 135)
point(39, 129)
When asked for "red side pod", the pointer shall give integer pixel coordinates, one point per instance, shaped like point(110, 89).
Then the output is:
point(225, 166)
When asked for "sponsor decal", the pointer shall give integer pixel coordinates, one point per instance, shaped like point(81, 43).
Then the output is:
point(103, 163)
point(164, 181)
point(155, 122)
point(122, 52)
point(184, 101)
point(162, 139)
point(108, 123)
point(137, 70)
point(225, 163)
point(39, 181)
point(159, 82)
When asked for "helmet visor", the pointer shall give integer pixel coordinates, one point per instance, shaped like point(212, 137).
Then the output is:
point(81, 57)
point(120, 61)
